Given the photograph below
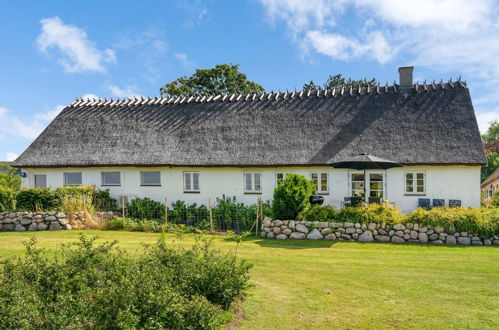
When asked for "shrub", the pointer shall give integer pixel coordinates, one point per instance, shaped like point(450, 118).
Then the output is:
point(11, 179)
point(94, 199)
point(119, 223)
point(291, 196)
point(37, 199)
point(8, 198)
point(482, 221)
point(318, 213)
point(495, 199)
point(89, 285)
point(145, 208)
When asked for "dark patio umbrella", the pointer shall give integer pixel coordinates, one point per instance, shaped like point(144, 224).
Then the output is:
point(365, 162)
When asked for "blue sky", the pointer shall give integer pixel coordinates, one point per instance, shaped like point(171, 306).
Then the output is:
point(54, 51)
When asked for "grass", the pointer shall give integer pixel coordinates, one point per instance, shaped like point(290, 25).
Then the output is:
point(324, 285)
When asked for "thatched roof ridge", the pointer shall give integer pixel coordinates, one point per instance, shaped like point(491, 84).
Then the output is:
point(427, 124)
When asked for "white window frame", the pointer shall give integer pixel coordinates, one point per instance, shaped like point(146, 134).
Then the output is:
point(71, 184)
point(414, 191)
point(34, 179)
point(103, 173)
point(191, 175)
point(319, 182)
point(149, 184)
point(253, 185)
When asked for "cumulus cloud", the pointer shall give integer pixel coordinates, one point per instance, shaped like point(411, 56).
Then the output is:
point(10, 156)
point(90, 96)
point(71, 47)
point(485, 117)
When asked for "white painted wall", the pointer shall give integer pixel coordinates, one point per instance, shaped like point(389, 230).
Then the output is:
point(446, 182)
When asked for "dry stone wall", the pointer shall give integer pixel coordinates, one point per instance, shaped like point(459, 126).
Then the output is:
point(373, 232)
point(34, 221)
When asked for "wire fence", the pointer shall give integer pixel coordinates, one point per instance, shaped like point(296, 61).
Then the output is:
point(218, 214)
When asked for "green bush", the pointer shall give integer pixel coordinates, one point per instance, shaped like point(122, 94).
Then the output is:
point(318, 213)
point(146, 208)
point(37, 199)
point(8, 198)
point(120, 223)
point(100, 199)
point(495, 199)
point(11, 179)
point(374, 213)
point(89, 285)
point(291, 196)
point(483, 221)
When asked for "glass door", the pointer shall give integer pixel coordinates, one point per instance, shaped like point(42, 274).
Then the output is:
point(373, 181)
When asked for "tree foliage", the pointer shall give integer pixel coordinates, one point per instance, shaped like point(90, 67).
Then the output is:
point(337, 80)
point(222, 79)
point(11, 179)
point(492, 133)
point(492, 164)
point(291, 196)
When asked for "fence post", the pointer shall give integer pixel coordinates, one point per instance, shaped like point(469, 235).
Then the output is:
point(257, 214)
point(123, 206)
point(166, 212)
point(211, 214)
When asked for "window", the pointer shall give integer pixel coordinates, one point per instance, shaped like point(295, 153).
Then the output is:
point(357, 184)
point(150, 178)
point(111, 178)
point(253, 182)
point(40, 181)
point(280, 176)
point(415, 183)
point(321, 182)
point(72, 178)
point(376, 185)
point(191, 182)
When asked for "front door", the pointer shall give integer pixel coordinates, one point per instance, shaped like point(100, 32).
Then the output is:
point(373, 181)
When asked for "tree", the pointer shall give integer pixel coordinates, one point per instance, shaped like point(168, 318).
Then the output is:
point(492, 164)
point(291, 196)
point(492, 133)
point(222, 79)
point(338, 81)
point(10, 178)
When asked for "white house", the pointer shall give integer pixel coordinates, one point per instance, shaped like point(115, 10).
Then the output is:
point(196, 148)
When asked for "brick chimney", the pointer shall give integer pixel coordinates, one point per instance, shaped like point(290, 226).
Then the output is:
point(405, 73)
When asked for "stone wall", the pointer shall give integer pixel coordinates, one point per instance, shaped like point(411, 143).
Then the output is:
point(34, 221)
point(373, 232)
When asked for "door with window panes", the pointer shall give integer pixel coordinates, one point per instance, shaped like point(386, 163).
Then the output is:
point(373, 181)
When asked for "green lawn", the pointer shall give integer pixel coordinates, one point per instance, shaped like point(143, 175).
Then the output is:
point(324, 284)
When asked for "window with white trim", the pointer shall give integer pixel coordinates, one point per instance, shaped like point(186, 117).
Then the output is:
point(150, 178)
point(321, 181)
point(40, 180)
point(415, 183)
point(72, 178)
point(191, 182)
point(253, 182)
point(111, 178)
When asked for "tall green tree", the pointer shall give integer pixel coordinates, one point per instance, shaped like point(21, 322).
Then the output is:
point(337, 80)
point(491, 142)
point(222, 79)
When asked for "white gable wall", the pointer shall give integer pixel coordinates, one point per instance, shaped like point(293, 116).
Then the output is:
point(445, 182)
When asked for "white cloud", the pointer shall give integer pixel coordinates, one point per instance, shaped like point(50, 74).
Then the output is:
point(10, 156)
point(90, 96)
point(128, 91)
point(72, 48)
point(485, 117)
point(26, 128)
point(184, 60)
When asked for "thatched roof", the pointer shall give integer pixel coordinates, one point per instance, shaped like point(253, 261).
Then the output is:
point(426, 124)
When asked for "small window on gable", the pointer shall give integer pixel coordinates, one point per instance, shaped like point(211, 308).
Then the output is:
point(252, 182)
point(321, 181)
point(111, 178)
point(191, 182)
point(40, 181)
point(150, 178)
point(415, 183)
point(72, 178)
